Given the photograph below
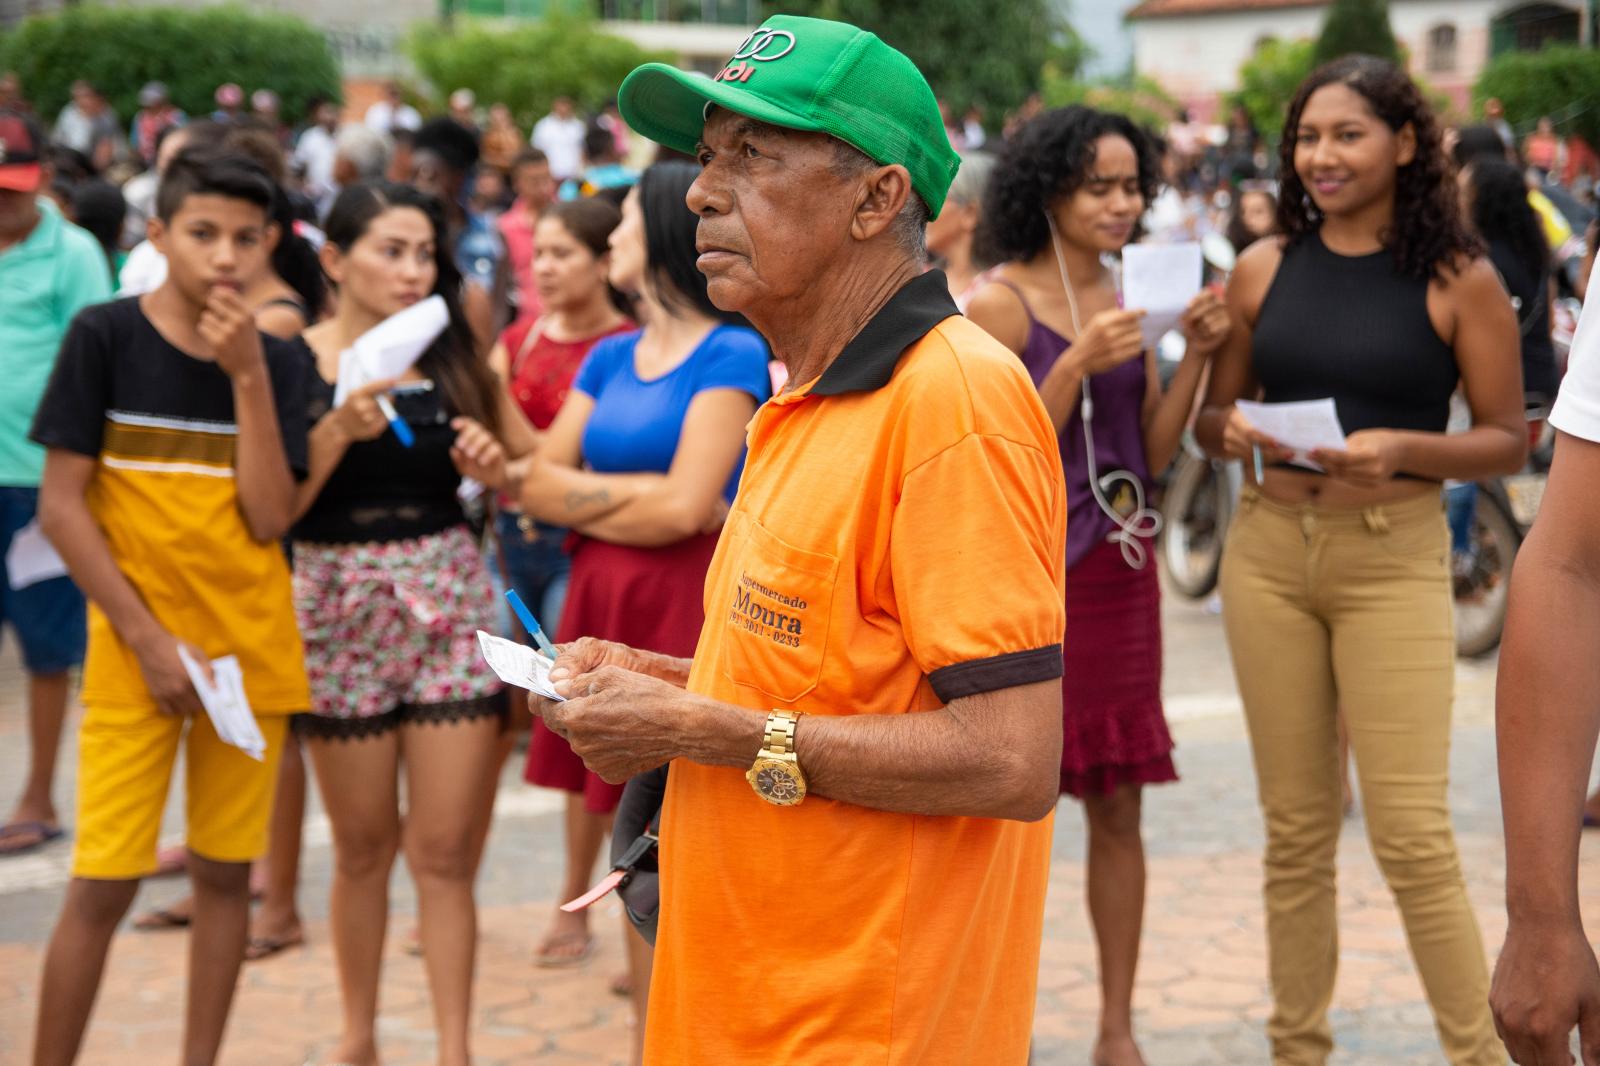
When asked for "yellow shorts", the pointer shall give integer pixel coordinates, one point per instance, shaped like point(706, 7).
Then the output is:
point(125, 761)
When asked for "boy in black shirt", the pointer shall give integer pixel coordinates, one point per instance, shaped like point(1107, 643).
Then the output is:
point(174, 429)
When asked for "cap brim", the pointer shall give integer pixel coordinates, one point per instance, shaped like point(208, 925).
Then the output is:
point(668, 105)
point(21, 177)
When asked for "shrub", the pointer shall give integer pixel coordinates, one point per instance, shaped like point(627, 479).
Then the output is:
point(1561, 82)
point(1360, 26)
point(191, 50)
point(1268, 80)
point(526, 66)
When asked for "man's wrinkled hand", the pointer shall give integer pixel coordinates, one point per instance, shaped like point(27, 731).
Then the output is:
point(1546, 984)
point(620, 723)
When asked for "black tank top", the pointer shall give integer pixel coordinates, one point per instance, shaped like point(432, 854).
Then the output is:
point(1355, 329)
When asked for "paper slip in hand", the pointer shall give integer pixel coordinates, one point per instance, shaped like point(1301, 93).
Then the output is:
point(392, 347)
point(225, 702)
point(32, 558)
point(1303, 426)
point(1160, 280)
point(518, 664)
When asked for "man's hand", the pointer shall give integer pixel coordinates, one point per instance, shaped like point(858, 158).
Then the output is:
point(1546, 983)
point(229, 330)
point(619, 722)
point(1371, 457)
point(165, 676)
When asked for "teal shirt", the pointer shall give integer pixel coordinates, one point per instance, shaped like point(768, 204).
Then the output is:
point(44, 282)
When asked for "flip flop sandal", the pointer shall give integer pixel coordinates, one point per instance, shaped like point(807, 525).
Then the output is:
point(44, 833)
point(264, 947)
point(548, 959)
point(159, 919)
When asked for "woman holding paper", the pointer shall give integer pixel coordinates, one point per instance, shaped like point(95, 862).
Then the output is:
point(1067, 194)
point(641, 462)
point(391, 591)
point(1336, 579)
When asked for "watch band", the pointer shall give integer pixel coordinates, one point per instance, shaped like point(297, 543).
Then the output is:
point(780, 733)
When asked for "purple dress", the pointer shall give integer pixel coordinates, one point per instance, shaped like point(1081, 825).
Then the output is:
point(1114, 732)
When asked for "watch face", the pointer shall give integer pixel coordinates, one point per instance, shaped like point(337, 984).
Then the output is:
point(777, 785)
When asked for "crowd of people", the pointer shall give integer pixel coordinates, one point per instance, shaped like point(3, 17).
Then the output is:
point(781, 432)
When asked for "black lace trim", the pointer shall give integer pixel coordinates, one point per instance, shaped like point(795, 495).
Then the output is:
point(323, 727)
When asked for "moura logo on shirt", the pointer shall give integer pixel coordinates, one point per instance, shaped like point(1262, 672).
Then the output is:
point(766, 613)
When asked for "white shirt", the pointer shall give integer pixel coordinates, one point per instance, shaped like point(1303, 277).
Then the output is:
point(384, 116)
point(561, 140)
point(317, 152)
point(1577, 409)
point(143, 271)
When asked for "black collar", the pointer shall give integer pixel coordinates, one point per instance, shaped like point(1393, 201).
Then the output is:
point(868, 361)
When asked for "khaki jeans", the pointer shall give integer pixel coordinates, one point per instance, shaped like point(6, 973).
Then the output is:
point(1331, 609)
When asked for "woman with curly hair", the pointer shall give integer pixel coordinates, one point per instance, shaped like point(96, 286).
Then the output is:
point(1336, 580)
point(1065, 198)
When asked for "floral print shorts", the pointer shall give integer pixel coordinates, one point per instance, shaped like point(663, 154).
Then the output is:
point(390, 631)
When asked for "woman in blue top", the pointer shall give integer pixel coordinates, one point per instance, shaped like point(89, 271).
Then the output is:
point(641, 463)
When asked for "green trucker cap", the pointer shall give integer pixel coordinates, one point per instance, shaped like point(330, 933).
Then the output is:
point(807, 74)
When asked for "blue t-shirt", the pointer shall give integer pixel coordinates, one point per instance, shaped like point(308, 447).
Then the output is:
point(635, 425)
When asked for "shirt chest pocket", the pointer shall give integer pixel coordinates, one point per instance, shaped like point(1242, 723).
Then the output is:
point(778, 611)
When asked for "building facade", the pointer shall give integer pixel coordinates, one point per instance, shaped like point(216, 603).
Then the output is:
point(1194, 48)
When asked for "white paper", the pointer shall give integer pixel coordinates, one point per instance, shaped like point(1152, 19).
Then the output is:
point(1303, 426)
point(226, 704)
point(518, 664)
point(1160, 280)
point(32, 558)
point(392, 347)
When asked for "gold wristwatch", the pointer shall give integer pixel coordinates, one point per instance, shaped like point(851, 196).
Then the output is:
point(776, 775)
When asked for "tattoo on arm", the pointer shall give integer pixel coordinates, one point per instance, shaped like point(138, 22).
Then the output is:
point(576, 500)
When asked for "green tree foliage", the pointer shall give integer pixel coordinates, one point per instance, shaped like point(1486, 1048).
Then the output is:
point(191, 50)
point(1561, 82)
point(988, 54)
point(1357, 26)
point(1141, 99)
point(1268, 80)
point(527, 65)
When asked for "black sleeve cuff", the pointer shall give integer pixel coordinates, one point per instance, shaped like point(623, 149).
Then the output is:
point(996, 672)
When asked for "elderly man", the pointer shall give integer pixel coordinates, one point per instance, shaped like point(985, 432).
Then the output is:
point(865, 748)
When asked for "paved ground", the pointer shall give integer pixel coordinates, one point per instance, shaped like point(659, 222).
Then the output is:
point(1202, 989)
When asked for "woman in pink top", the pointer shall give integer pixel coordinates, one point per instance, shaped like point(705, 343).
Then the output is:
point(535, 190)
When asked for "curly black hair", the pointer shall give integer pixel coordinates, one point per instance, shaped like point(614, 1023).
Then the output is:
point(1045, 160)
point(1501, 212)
point(1428, 234)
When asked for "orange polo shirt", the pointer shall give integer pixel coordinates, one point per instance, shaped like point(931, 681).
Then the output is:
point(898, 541)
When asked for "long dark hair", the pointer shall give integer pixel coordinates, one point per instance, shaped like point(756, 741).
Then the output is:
point(1428, 233)
point(469, 386)
point(1049, 158)
point(1501, 212)
point(669, 234)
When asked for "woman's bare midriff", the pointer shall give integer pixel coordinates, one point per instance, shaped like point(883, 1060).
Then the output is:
point(1295, 487)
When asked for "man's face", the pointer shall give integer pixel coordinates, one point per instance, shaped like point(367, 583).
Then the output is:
point(214, 242)
point(562, 107)
point(774, 211)
point(327, 116)
point(18, 210)
point(434, 176)
point(532, 182)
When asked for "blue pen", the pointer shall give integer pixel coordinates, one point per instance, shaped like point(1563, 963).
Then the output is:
point(1255, 451)
point(531, 624)
point(396, 423)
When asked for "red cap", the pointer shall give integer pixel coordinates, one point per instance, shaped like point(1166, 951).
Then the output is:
point(20, 169)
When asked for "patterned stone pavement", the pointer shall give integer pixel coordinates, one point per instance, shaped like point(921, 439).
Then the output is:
point(1202, 982)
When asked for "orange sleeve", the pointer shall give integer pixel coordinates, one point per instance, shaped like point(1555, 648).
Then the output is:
point(978, 556)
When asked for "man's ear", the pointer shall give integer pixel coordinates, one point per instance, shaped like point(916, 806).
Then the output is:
point(271, 234)
point(884, 192)
point(155, 231)
point(1405, 145)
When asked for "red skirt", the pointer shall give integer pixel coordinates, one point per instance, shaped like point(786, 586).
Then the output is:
point(647, 598)
point(1113, 729)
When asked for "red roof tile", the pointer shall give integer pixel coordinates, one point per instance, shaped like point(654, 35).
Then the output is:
point(1151, 9)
